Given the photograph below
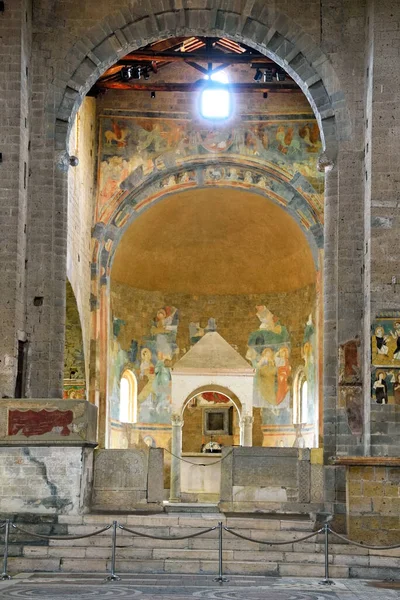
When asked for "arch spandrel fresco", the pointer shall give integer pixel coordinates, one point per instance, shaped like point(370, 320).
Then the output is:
point(136, 148)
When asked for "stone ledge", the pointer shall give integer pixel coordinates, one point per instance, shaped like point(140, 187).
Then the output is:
point(366, 461)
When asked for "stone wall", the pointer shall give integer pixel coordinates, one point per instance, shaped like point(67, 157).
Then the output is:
point(74, 358)
point(45, 480)
point(373, 504)
point(15, 125)
point(81, 192)
point(271, 480)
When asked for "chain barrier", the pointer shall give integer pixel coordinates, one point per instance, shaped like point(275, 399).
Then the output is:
point(345, 539)
point(61, 537)
point(326, 530)
point(244, 537)
point(216, 462)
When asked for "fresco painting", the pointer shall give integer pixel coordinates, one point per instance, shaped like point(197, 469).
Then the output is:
point(39, 422)
point(150, 359)
point(309, 353)
point(196, 332)
point(385, 386)
point(385, 342)
point(131, 148)
point(269, 353)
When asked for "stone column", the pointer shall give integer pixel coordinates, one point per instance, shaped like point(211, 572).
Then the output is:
point(176, 449)
point(15, 125)
point(330, 304)
point(246, 430)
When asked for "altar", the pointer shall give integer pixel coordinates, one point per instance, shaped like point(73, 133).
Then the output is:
point(197, 479)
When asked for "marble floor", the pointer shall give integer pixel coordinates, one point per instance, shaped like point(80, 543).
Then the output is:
point(184, 587)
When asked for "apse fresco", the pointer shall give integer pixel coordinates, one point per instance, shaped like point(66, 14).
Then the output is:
point(151, 359)
point(269, 353)
point(309, 354)
point(132, 148)
point(196, 332)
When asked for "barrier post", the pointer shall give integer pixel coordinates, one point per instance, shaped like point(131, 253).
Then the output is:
point(112, 576)
point(326, 580)
point(220, 577)
point(5, 575)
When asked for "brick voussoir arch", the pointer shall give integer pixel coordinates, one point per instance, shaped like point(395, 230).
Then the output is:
point(266, 30)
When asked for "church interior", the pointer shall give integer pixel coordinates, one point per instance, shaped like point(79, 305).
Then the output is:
point(201, 306)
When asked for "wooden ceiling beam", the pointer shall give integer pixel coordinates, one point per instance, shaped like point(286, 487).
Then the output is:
point(135, 85)
point(214, 57)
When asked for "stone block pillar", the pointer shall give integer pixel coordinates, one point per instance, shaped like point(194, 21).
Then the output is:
point(15, 52)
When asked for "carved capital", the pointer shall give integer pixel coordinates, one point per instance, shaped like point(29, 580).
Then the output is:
point(247, 420)
point(324, 164)
point(176, 420)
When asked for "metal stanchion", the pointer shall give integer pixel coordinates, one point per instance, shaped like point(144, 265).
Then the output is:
point(112, 576)
point(220, 577)
point(326, 580)
point(5, 575)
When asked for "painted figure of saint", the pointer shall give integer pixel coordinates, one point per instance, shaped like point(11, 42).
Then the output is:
point(266, 376)
point(380, 388)
point(381, 340)
point(283, 373)
point(146, 365)
point(396, 336)
point(396, 389)
point(270, 332)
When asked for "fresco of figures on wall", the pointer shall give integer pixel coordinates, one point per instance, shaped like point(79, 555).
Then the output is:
point(269, 352)
point(385, 358)
point(135, 147)
point(151, 360)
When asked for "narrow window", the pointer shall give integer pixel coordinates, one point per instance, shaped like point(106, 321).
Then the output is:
point(128, 398)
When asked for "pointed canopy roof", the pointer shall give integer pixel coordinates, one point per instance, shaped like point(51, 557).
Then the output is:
point(213, 354)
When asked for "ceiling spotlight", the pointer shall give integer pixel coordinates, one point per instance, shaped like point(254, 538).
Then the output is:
point(265, 95)
point(258, 75)
point(268, 76)
point(126, 73)
point(146, 74)
point(280, 75)
point(152, 95)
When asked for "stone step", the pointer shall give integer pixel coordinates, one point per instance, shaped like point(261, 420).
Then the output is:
point(191, 507)
point(200, 566)
point(196, 555)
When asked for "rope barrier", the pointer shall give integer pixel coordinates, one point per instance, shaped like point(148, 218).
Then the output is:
point(157, 537)
point(361, 545)
point(244, 537)
point(61, 537)
point(216, 462)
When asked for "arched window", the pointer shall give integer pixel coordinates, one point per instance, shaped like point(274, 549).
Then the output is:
point(300, 397)
point(128, 398)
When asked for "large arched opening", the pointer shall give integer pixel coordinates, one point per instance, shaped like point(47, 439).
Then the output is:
point(314, 83)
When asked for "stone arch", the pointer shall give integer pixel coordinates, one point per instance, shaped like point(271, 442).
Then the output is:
point(153, 189)
point(265, 29)
point(214, 388)
point(251, 22)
